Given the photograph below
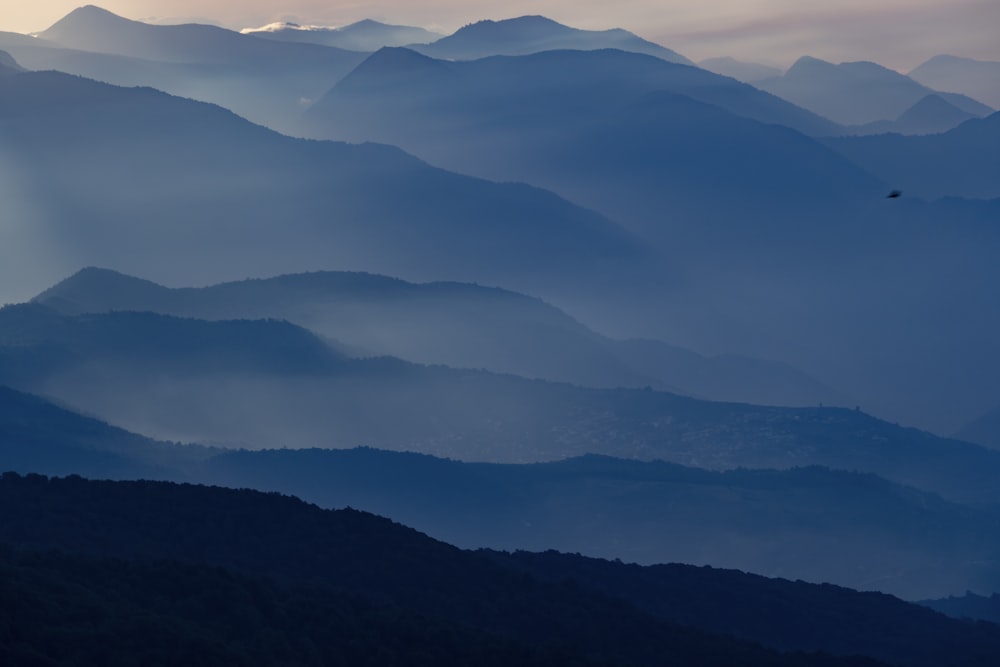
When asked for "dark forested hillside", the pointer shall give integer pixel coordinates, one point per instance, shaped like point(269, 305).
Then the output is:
point(521, 599)
point(354, 552)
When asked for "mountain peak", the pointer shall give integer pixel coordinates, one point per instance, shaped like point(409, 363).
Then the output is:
point(808, 64)
point(86, 17)
point(540, 25)
point(392, 64)
point(76, 294)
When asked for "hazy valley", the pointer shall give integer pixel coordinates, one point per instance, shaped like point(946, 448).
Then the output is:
point(678, 361)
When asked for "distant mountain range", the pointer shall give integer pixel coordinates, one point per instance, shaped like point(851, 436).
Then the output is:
point(857, 93)
point(265, 81)
point(534, 34)
point(977, 78)
point(931, 115)
point(751, 217)
point(219, 198)
point(365, 35)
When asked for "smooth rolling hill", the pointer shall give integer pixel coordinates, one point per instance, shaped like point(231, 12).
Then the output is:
point(534, 34)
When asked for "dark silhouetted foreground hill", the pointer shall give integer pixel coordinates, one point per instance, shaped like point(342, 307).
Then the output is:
point(352, 552)
point(63, 609)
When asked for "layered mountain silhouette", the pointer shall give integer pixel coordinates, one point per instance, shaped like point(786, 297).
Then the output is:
point(802, 523)
point(534, 34)
point(454, 324)
point(856, 93)
point(364, 35)
point(962, 162)
point(633, 615)
point(794, 246)
point(265, 81)
point(931, 115)
point(97, 30)
point(135, 178)
point(979, 79)
point(806, 523)
point(267, 384)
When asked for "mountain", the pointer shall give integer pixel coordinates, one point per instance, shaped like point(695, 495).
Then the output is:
point(796, 248)
point(808, 524)
point(962, 162)
point(365, 35)
point(741, 71)
point(266, 82)
point(531, 600)
point(534, 34)
point(269, 384)
point(97, 30)
point(979, 79)
point(931, 115)
point(632, 151)
point(184, 191)
point(455, 324)
point(364, 556)
point(856, 93)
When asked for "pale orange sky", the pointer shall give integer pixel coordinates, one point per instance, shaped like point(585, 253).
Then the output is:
point(896, 33)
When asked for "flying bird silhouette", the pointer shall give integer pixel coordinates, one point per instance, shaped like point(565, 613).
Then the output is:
point(894, 194)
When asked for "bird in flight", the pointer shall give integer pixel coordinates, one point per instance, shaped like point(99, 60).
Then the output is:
point(894, 194)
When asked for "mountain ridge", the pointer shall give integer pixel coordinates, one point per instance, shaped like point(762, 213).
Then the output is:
point(532, 34)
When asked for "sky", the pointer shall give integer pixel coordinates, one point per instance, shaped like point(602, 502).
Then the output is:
point(897, 33)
